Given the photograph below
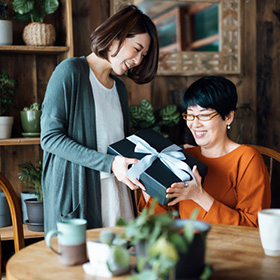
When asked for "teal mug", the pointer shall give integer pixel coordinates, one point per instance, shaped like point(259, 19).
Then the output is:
point(71, 238)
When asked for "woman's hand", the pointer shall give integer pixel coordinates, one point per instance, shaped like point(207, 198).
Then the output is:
point(194, 192)
point(120, 167)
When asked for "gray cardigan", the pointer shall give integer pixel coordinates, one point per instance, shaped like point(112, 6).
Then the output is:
point(71, 164)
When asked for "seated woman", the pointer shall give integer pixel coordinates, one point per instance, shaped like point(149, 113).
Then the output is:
point(237, 184)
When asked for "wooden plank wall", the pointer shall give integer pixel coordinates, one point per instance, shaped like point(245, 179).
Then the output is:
point(268, 83)
point(268, 71)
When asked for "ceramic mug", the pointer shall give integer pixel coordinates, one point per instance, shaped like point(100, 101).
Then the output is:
point(269, 227)
point(71, 237)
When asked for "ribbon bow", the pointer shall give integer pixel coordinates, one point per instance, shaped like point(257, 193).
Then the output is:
point(170, 156)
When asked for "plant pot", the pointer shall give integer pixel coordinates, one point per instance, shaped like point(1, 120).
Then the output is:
point(35, 211)
point(192, 263)
point(6, 32)
point(5, 216)
point(6, 124)
point(24, 196)
point(100, 255)
point(30, 121)
point(39, 34)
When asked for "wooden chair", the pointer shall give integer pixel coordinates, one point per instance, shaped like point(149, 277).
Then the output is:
point(270, 154)
point(15, 210)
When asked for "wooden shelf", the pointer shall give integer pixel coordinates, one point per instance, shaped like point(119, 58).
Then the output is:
point(31, 67)
point(19, 141)
point(34, 49)
point(7, 233)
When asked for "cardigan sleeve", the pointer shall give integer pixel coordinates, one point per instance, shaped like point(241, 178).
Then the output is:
point(68, 118)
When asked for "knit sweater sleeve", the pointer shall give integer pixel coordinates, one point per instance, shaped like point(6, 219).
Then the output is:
point(68, 118)
point(252, 195)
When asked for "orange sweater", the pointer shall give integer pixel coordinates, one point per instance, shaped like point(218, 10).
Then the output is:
point(239, 183)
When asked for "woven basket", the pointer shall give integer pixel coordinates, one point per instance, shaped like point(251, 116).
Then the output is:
point(39, 34)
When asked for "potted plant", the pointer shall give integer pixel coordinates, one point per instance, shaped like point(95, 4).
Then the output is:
point(32, 175)
point(108, 255)
point(143, 116)
point(36, 33)
point(6, 26)
point(5, 215)
point(30, 120)
point(167, 247)
point(7, 102)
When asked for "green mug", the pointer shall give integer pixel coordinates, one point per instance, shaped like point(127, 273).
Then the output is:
point(71, 238)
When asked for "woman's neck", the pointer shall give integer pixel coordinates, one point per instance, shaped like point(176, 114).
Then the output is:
point(219, 149)
point(101, 69)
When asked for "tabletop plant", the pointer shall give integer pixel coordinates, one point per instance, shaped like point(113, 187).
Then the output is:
point(143, 116)
point(7, 94)
point(30, 119)
point(120, 256)
point(34, 10)
point(163, 243)
point(32, 176)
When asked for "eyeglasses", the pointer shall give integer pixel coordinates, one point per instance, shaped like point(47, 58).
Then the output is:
point(201, 117)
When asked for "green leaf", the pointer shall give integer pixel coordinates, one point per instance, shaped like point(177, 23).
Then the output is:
point(179, 242)
point(50, 6)
point(163, 247)
point(122, 222)
point(146, 106)
point(189, 231)
point(207, 272)
point(121, 256)
point(136, 112)
point(107, 236)
point(23, 6)
point(34, 10)
point(32, 175)
point(168, 110)
point(194, 214)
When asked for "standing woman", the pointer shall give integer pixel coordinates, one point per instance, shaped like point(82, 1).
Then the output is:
point(86, 109)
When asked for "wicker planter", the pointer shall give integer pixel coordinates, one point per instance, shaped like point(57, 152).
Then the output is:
point(39, 34)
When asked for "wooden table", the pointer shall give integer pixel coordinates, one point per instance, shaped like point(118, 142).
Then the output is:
point(234, 253)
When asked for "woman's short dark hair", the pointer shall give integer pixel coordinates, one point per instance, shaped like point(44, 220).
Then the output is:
point(213, 92)
point(127, 23)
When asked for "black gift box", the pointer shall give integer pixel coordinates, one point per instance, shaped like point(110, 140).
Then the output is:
point(158, 177)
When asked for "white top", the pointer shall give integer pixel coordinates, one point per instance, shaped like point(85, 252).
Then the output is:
point(115, 196)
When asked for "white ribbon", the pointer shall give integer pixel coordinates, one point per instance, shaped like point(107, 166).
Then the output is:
point(170, 156)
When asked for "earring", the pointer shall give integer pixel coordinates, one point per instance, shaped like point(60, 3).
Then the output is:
point(228, 126)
